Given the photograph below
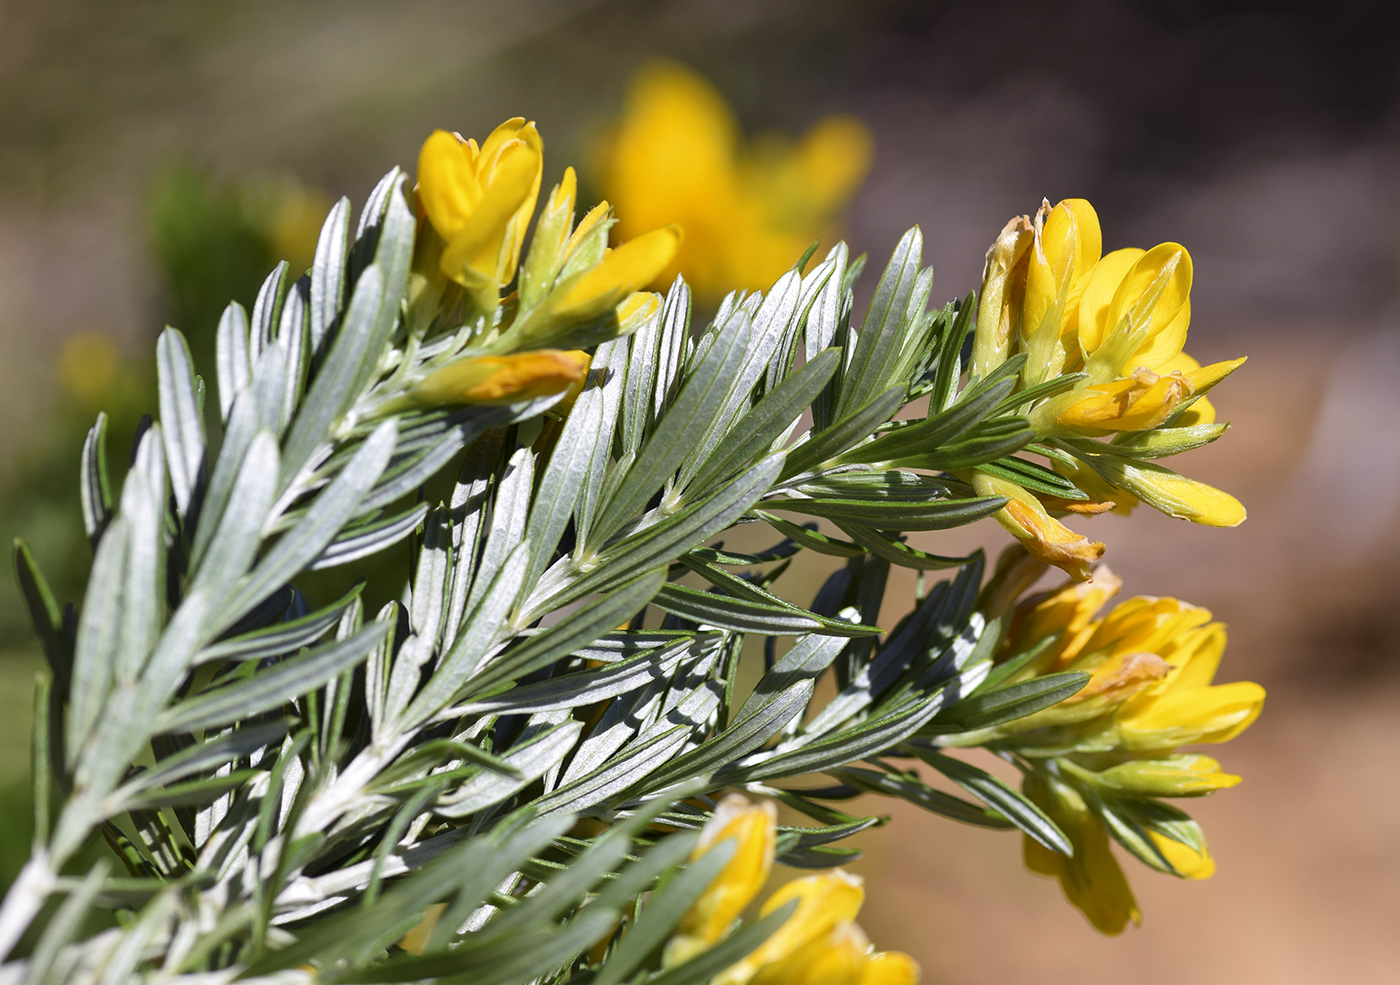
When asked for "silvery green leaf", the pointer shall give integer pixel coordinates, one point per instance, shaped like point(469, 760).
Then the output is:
point(755, 433)
point(584, 442)
point(1165, 441)
point(825, 314)
point(743, 589)
point(270, 386)
point(623, 771)
point(885, 322)
point(291, 337)
point(808, 657)
point(844, 747)
point(270, 688)
point(283, 638)
point(588, 686)
point(671, 350)
point(531, 759)
point(582, 627)
point(1036, 478)
point(369, 538)
point(928, 436)
point(328, 275)
point(95, 653)
point(844, 433)
point(328, 514)
point(894, 515)
point(479, 634)
point(207, 755)
point(143, 579)
point(808, 536)
point(44, 615)
point(181, 422)
point(608, 363)
point(234, 363)
point(749, 616)
point(50, 962)
point(243, 425)
point(665, 540)
point(897, 552)
point(267, 311)
point(470, 506)
point(748, 732)
point(990, 440)
point(510, 513)
point(1005, 704)
point(94, 487)
point(907, 786)
point(621, 720)
point(699, 403)
point(638, 389)
point(1002, 798)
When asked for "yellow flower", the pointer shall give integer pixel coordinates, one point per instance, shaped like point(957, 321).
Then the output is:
point(1170, 493)
point(1041, 534)
point(1068, 244)
point(1065, 613)
point(891, 968)
point(479, 200)
point(1137, 403)
point(839, 957)
point(753, 828)
point(504, 379)
point(1188, 863)
point(1135, 310)
point(88, 365)
point(1091, 878)
point(823, 901)
point(677, 155)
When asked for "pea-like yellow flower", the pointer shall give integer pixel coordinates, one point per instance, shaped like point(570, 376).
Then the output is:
point(1065, 613)
point(480, 200)
point(1091, 878)
point(1042, 535)
point(753, 829)
point(624, 271)
point(504, 379)
point(677, 155)
point(1068, 244)
point(823, 902)
point(1135, 310)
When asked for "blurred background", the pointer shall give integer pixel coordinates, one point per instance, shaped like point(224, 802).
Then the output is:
point(157, 157)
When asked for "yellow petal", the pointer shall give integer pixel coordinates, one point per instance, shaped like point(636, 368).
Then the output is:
point(1173, 494)
point(832, 160)
point(1099, 290)
point(838, 957)
point(823, 901)
point(753, 828)
point(1069, 243)
point(1065, 612)
point(482, 242)
point(1137, 403)
point(447, 185)
point(1039, 533)
point(1183, 858)
point(1206, 714)
point(630, 267)
point(503, 379)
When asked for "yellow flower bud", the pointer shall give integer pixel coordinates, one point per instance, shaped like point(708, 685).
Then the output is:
point(999, 300)
point(480, 201)
point(1170, 493)
point(753, 828)
point(1190, 775)
point(1041, 534)
point(504, 379)
point(630, 267)
point(1183, 858)
point(1068, 242)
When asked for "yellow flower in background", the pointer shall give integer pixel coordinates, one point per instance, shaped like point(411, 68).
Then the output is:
point(749, 211)
point(754, 830)
point(88, 364)
point(480, 200)
point(504, 379)
point(1091, 878)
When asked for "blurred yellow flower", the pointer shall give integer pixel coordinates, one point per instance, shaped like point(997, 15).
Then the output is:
point(479, 200)
point(504, 379)
point(87, 365)
point(749, 211)
point(754, 830)
point(1091, 878)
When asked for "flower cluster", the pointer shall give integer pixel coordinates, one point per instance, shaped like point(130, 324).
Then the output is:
point(1096, 342)
point(818, 943)
point(1096, 762)
point(677, 155)
point(572, 291)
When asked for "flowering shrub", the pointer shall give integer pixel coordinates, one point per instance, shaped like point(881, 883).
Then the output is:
point(536, 763)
